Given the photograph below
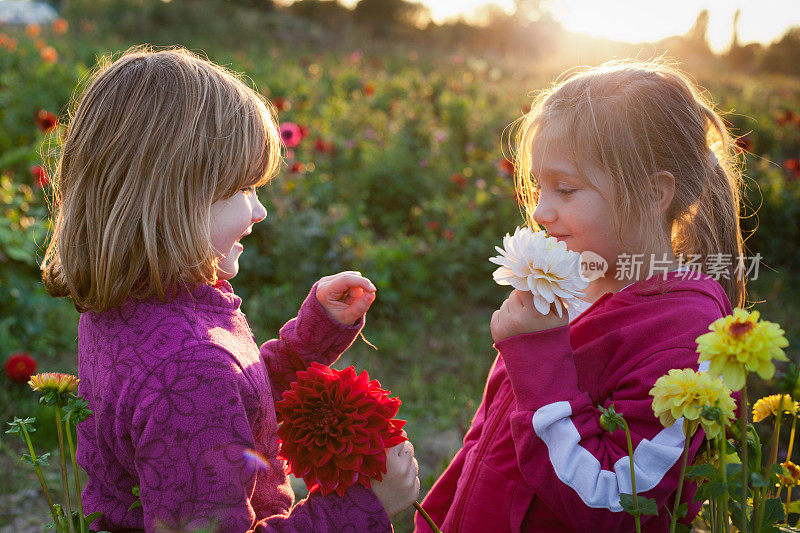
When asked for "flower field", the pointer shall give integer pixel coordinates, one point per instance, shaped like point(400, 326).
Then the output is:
point(395, 167)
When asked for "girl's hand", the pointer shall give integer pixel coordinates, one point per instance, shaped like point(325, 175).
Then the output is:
point(399, 487)
point(518, 315)
point(346, 296)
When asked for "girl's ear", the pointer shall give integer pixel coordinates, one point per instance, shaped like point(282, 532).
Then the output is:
point(664, 190)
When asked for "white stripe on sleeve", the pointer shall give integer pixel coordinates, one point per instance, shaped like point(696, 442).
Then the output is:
point(577, 468)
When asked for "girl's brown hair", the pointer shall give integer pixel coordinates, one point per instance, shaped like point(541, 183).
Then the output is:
point(632, 120)
point(155, 139)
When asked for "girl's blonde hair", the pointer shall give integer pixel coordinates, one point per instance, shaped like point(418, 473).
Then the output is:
point(631, 120)
point(155, 139)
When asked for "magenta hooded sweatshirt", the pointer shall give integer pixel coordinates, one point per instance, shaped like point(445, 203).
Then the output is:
point(179, 391)
point(536, 459)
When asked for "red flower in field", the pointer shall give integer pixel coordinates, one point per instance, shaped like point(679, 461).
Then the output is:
point(354, 57)
point(281, 104)
point(336, 427)
point(448, 234)
point(20, 366)
point(793, 166)
point(787, 117)
point(49, 55)
point(433, 225)
point(459, 180)
point(507, 166)
point(297, 167)
point(368, 89)
point(303, 132)
point(45, 120)
point(33, 30)
point(40, 175)
point(60, 26)
point(291, 134)
point(325, 147)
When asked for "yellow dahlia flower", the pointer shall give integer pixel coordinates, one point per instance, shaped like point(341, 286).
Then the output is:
point(740, 343)
point(684, 393)
point(53, 382)
point(794, 474)
point(768, 406)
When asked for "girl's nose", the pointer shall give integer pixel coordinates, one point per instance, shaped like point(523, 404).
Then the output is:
point(259, 211)
point(544, 213)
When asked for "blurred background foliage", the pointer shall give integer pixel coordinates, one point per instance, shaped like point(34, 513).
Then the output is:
point(401, 172)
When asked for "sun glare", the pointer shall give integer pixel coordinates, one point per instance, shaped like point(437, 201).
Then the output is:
point(638, 21)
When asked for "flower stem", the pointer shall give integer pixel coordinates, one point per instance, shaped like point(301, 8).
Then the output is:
point(687, 441)
point(38, 470)
point(776, 434)
point(722, 508)
point(743, 423)
point(75, 472)
point(788, 458)
point(63, 457)
point(427, 518)
point(636, 516)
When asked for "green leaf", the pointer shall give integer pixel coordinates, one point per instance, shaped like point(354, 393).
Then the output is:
point(645, 505)
point(757, 480)
point(79, 409)
point(649, 506)
point(793, 508)
point(683, 509)
point(19, 423)
point(683, 528)
point(92, 517)
point(702, 471)
point(138, 502)
point(773, 511)
point(711, 490)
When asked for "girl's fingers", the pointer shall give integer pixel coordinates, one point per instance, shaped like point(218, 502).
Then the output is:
point(351, 295)
point(341, 283)
point(357, 308)
point(524, 298)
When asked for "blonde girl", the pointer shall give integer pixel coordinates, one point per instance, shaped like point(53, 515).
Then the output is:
point(624, 160)
point(154, 192)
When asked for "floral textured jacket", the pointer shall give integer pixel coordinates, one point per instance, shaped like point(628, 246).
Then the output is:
point(536, 458)
point(179, 390)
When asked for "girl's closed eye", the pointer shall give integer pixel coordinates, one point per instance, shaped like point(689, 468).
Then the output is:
point(249, 190)
point(565, 191)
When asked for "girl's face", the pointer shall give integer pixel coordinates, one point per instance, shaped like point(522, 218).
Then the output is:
point(232, 219)
point(574, 212)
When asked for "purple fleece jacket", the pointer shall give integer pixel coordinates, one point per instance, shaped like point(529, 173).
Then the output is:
point(179, 391)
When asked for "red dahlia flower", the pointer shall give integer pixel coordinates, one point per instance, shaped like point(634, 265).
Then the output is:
point(20, 367)
point(291, 134)
point(40, 175)
point(336, 427)
point(46, 120)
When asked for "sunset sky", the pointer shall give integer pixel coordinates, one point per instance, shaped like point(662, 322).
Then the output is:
point(647, 20)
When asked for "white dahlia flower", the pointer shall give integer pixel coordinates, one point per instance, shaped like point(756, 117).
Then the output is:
point(540, 264)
